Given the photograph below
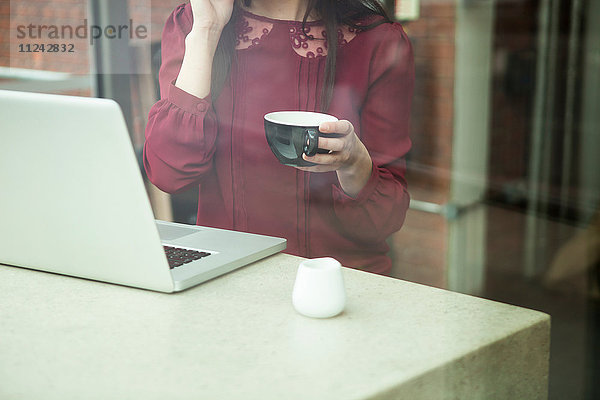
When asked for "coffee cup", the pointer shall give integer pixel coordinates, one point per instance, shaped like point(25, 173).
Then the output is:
point(291, 134)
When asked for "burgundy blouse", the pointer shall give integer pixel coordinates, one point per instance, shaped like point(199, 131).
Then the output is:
point(219, 144)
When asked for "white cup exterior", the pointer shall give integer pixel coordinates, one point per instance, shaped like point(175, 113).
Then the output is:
point(319, 288)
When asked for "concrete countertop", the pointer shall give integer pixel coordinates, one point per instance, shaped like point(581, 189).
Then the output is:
point(239, 337)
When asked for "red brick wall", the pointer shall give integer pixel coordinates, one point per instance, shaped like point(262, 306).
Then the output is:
point(419, 250)
point(432, 36)
point(4, 31)
point(160, 12)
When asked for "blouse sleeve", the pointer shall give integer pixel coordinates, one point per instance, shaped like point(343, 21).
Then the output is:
point(380, 207)
point(182, 129)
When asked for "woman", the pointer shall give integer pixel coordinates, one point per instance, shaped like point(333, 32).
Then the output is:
point(225, 65)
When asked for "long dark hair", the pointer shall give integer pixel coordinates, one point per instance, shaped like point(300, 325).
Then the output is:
point(333, 13)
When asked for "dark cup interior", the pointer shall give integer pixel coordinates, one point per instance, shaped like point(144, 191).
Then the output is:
point(291, 134)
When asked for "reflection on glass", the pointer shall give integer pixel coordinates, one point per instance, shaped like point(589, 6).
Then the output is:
point(504, 171)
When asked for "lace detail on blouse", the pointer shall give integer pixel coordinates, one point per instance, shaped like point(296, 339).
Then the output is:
point(250, 31)
point(310, 42)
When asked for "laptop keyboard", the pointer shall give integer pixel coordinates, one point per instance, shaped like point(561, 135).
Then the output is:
point(177, 256)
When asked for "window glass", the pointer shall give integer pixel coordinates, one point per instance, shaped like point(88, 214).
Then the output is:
point(504, 173)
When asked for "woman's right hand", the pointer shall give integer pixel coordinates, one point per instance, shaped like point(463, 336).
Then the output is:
point(210, 17)
point(211, 14)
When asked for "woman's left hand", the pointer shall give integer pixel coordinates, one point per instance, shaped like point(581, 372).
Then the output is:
point(347, 156)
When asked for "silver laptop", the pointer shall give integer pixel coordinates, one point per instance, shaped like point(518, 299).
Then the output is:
point(73, 202)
